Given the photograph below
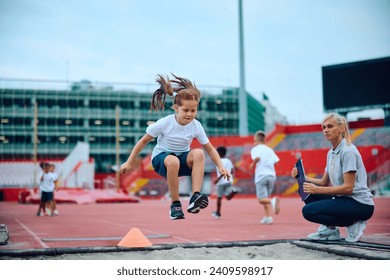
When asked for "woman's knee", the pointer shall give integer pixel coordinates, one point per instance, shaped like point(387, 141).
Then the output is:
point(309, 213)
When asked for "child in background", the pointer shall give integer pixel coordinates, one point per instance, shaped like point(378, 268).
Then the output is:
point(47, 186)
point(172, 156)
point(224, 186)
point(264, 160)
point(42, 203)
point(52, 169)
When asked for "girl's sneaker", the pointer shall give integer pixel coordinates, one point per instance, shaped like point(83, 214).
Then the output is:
point(198, 201)
point(176, 212)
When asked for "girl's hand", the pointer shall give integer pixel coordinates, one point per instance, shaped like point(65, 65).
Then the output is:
point(225, 173)
point(125, 167)
point(294, 172)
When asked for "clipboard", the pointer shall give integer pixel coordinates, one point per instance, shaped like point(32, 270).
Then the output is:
point(301, 179)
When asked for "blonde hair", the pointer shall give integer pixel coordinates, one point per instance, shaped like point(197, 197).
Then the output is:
point(182, 89)
point(260, 136)
point(342, 122)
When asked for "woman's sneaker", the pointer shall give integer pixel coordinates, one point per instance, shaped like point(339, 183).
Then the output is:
point(325, 233)
point(198, 201)
point(176, 212)
point(355, 231)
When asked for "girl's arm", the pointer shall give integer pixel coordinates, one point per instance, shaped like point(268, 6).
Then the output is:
point(216, 159)
point(126, 167)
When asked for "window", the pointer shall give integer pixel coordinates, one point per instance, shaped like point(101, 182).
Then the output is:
point(126, 104)
point(144, 105)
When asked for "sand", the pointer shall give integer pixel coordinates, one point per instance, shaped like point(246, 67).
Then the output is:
point(279, 251)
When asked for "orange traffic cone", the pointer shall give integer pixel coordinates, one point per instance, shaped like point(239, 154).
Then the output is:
point(135, 238)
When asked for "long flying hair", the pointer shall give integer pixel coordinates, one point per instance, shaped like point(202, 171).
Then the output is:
point(178, 88)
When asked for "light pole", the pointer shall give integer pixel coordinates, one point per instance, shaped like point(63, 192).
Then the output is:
point(243, 115)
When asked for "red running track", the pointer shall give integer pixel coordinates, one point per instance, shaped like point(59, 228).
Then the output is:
point(105, 224)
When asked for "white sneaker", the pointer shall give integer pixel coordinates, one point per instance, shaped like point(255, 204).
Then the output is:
point(267, 220)
point(275, 202)
point(325, 233)
point(355, 231)
point(55, 212)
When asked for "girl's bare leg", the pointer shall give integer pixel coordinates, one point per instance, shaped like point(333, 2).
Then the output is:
point(172, 164)
point(196, 160)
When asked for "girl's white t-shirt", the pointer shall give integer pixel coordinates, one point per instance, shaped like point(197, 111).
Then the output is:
point(173, 137)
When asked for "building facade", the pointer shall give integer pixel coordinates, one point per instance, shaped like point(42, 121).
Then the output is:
point(271, 115)
point(100, 114)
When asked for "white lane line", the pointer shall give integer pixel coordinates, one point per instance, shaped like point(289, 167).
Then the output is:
point(173, 236)
point(43, 244)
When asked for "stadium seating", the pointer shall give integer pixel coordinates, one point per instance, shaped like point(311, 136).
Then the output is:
point(309, 143)
point(289, 142)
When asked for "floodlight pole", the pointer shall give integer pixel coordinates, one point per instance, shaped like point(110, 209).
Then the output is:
point(35, 143)
point(117, 145)
point(243, 115)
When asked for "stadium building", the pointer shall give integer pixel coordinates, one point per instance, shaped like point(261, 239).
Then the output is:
point(86, 129)
point(100, 114)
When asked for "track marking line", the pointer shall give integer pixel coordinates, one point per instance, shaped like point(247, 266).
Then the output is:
point(103, 238)
point(36, 237)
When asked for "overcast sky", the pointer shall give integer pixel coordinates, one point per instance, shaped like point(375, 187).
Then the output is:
point(286, 43)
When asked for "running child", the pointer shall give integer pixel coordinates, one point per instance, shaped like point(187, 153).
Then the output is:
point(264, 160)
point(224, 186)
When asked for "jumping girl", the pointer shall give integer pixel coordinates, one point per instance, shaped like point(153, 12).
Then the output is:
point(172, 156)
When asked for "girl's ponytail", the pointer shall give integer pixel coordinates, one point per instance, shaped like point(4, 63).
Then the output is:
point(158, 99)
point(183, 90)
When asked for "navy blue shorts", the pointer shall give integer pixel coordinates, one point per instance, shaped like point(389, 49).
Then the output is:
point(159, 166)
point(46, 196)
